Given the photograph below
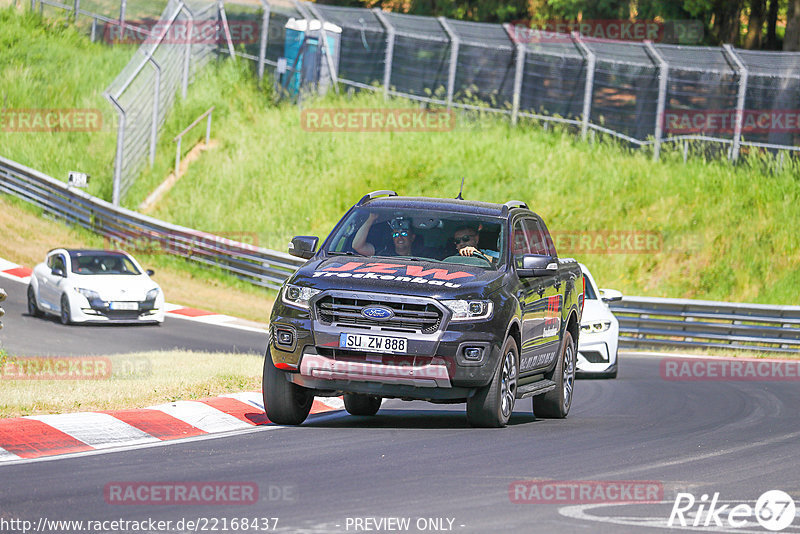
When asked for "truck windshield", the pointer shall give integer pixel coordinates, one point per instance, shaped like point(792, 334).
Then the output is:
point(427, 235)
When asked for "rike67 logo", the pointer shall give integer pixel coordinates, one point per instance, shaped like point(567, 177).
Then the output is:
point(774, 510)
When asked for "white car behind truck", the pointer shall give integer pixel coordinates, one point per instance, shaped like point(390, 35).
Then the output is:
point(599, 341)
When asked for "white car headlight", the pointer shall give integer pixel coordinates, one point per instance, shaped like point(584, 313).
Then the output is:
point(298, 296)
point(596, 327)
point(88, 293)
point(152, 294)
point(469, 310)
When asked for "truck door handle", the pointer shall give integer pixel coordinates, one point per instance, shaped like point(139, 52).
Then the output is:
point(558, 285)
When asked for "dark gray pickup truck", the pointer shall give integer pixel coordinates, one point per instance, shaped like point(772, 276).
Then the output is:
point(448, 301)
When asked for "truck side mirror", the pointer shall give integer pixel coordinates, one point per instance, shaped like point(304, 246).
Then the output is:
point(537, 265)
point(303, 246)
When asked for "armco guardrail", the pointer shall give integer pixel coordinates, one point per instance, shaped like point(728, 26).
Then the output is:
point(686, 323)
point(257, 265)
point(644, 321)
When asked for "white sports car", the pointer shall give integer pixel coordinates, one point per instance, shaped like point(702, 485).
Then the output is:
point(599, 339)
point(94, 286)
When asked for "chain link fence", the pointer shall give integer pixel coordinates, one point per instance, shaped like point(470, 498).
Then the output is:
point(643, 92)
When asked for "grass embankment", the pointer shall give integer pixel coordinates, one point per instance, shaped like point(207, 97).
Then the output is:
point(47, 65)
point(722, 232)
point(133, 381)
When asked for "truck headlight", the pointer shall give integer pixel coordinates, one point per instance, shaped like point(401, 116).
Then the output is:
point(469, 310)
point(595, 328)
point(298, 296)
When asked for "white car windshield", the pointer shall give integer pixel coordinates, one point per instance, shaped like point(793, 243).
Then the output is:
point(102, 263)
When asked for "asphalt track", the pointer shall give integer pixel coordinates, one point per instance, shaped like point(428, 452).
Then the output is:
point(24, 335)
point(421, 462)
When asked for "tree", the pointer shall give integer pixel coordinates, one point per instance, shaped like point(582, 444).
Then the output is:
point(755, 24)
point(791, 40)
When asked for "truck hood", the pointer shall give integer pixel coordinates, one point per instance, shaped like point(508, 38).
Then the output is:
point(399, 276)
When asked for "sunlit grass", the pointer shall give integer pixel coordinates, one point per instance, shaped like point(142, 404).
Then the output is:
point(135, 381)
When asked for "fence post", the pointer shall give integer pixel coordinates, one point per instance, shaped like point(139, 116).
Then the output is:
point(156, 101)
point(262, 45)
point(226, 28)
point(737, 129)
point(454, 45)
point(518, 71)
point(388, 57)
point(589, 87)
point(118, 157)
point(663, 77)
point(188, 50)
point(94, 29)
point(324, 48)
point(76, 5)
point(123, 4)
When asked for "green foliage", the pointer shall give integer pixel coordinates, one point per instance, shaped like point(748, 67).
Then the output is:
point(726, 231)
point(39, 70)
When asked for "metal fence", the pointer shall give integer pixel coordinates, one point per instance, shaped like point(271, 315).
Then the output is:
point(168, 58)
point(256, 265)
point(641, 92)
point(685, 323)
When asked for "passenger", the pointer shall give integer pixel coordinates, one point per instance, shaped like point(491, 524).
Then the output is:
point(402, 237)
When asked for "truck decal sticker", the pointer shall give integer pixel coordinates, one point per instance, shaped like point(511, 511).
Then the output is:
point(415, 271)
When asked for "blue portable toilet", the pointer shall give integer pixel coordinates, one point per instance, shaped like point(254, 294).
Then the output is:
point(302, 52)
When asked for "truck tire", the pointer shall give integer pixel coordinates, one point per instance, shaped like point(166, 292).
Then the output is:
point(284, 403)
point(492, 405)
point(557, 402)
point(356, 404)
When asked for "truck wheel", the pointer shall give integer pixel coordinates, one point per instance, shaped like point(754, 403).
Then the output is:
point(361, 404)
point(556, 403)
point(33, 308)
point(284, 403)
point(491, 406)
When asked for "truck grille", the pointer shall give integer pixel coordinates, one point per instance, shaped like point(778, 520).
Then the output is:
point(408, 317)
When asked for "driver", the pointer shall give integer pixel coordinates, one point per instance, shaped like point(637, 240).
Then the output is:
point(466, 240)
point(402, 237)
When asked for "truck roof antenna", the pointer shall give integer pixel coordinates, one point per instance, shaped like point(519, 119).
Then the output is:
point(459, 197)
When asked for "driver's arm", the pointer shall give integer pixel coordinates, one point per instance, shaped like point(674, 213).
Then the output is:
point(360, 243)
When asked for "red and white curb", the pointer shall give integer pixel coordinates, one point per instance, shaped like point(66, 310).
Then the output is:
point(22, 274)
point(38, 436)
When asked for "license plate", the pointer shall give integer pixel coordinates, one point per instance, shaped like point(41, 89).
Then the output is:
point(387, 345)
point(128, 306)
